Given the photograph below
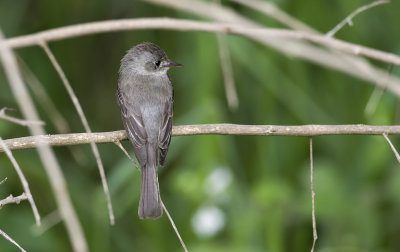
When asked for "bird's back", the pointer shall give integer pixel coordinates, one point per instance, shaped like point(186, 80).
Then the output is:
point(152, 93)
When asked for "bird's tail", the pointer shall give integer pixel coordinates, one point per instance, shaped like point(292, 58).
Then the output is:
point(150, 202)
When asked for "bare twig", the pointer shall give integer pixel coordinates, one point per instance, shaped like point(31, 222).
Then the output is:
point(118, 143)
point(204, 129)
point(11, 240)
point(4, 180)
point(302, 50)
point(222, 14)
point(48, 105)
point(17, 120)
point(392, 147)
point(349, 18)
point(45, 101)
point(227, 70)
point(85, 123)
point(373, 100)
point(377, 94)
point(363, 68)
point(354, 66)
point(46, 154)
point(189, 25)
point(64, 139)
point(162, 203)
point(13, 200)
point(174, 227)
point(207, 9)
point(270, 9)
point(314, 224)
point(24, 182)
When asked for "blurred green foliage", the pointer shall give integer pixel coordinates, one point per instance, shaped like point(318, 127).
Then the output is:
point(265, 203)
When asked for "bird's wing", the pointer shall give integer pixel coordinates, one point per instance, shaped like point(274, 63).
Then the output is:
point(133, 123)
point(164, 135)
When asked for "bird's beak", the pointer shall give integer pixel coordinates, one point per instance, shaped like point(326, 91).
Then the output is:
point(173, 64)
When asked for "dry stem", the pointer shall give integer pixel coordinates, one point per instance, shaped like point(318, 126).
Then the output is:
point(11, 240)
point(162, 203)
point(270, 9)
point(13, 200)
point(85, 123)
point(349, 18)
point(189, 25)
point(396, 153)
point(24, 182)
point(272, 37)
point(314, 224)
point(17, 120)
point(349, 64)
point(46, 154)
point(204, 129)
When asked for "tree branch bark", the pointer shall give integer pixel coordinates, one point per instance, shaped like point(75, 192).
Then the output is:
point(190, 25)
point(205, 129)
point(11, 199)
point(46, 154)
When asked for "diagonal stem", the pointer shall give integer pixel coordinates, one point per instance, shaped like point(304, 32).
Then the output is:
point(24, 182)
point(314, 224)
point(162, 203)
point(46, 154)
point(85, 123)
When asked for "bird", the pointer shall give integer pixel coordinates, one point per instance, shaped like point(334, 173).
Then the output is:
point(145, 98)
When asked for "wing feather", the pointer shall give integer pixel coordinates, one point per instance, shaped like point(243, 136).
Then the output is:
point(164, 137)
point(133, 123)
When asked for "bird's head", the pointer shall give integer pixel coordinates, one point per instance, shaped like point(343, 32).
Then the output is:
point(146, 59)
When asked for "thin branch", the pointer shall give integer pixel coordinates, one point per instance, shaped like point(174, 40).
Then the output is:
point(376, 95)
point(13, 200)
point(85, 123)
point(349, 64)
point(17, 120)
point(162, 203)
point(44, 99)
point(392, 147)
point(270, 9)
point(314, 224)
point(349, 18)
point(46, 154)
point(363, 70)
point(24, 182)
point(227, 70)
point(305, 51)
point(4, 180)
point(54, 115)
point(207, 9)
point(174, 227)
point(11, 240)
point(189, 25)
point(204, 129)
point(373, 100)
point(118, 143)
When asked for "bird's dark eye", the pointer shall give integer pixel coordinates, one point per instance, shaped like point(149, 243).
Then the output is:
point(158, 63)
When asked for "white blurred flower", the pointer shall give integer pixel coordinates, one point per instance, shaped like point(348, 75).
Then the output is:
point(218, 181)
point(208, 221)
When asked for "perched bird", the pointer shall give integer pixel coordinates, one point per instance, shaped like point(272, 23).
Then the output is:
point(145, 98)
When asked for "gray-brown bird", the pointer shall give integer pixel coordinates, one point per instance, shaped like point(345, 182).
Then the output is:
point(145, 98)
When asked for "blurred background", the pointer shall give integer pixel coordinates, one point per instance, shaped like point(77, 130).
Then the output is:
point(225, 193)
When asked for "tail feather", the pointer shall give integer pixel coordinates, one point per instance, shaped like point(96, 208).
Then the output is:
point(150, 202)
